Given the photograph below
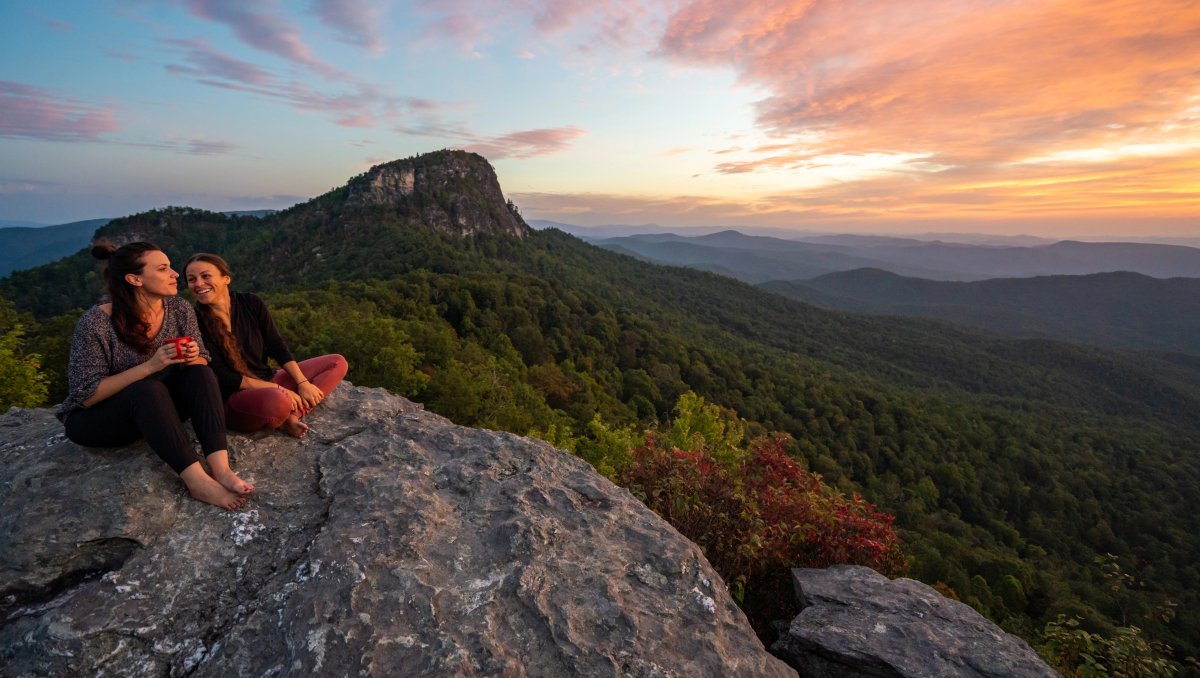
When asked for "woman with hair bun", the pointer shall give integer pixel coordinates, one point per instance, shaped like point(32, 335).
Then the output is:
point(127, 380)
point(238, 329)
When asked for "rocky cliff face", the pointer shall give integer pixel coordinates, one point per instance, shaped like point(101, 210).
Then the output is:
point(390, 542)
point(453, 191)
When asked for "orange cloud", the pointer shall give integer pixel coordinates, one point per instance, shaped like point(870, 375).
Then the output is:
point(1038, 105)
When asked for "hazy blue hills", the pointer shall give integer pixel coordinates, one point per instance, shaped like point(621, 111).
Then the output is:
point(757, 259)
point(17, 223)
point(1061, 258)
point(1123, 310)
point(753, 259)
point(26, 247)
point(983, 239)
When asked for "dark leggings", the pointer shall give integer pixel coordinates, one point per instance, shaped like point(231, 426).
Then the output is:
point(155, 409)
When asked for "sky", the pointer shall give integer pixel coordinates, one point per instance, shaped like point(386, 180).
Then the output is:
point(1042, 117)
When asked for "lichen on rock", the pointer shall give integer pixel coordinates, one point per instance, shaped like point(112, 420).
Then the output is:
point(387, 542)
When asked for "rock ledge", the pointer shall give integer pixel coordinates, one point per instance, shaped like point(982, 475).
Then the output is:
point(389, 542)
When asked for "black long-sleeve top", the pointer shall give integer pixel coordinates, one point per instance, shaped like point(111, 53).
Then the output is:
point(256, 337)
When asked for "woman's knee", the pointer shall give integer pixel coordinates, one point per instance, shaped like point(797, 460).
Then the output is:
point(199, 376)
point(254, 409)
point(330, 370)
point(338, 366)
point(148, 394)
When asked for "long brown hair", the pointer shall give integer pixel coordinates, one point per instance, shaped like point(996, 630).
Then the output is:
point(127, 259)
point(213, 324)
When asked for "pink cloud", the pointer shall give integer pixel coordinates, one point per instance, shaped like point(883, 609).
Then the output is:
point(186, 146)
point(356, 21)
point(596, 30)
point(520, 144)
point(358, 105)
point(528, 143)
point(465, 30)
point(33, 113)
point(357, 119)
point(205, 61)
point(271, 33)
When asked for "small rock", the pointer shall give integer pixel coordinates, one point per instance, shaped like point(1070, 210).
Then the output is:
point(854, 622)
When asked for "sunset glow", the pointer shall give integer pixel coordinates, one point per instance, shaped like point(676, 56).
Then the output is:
point(1051, 117)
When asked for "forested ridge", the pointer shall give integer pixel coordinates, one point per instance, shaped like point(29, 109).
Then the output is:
point(1009, 464)
point(1119, 309)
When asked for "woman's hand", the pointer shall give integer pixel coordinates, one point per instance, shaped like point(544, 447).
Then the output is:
point(297, 401)
point(191, 353)
point(311, 395)
point(164, 357)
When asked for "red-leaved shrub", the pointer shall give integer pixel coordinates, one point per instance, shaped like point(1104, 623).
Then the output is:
point(758, 516)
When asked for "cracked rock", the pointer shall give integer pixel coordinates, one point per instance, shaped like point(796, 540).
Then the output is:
point(389, 542)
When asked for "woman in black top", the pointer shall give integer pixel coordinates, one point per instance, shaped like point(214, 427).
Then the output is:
point(239, 331)
point(128, 381)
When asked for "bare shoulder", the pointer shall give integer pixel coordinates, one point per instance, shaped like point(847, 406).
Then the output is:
point(105, 308)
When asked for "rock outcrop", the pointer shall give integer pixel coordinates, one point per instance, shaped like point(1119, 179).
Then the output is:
point(855, 622)
point(452, 191)
point(389, 542)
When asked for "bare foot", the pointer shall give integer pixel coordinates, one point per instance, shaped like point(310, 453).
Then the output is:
point(230, 481)
point(209, 491)
point(294, 427)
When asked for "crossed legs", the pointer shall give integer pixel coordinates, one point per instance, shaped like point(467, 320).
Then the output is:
point(255, 409)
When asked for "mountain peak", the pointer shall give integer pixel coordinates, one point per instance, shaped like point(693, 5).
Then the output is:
point(452, 191)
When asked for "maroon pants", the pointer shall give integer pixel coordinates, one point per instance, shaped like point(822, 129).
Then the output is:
point(258, 408)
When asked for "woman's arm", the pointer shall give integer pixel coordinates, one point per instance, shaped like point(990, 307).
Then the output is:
point(113, 384)
point(308, 392)
point(276, 347)
point(253, 382)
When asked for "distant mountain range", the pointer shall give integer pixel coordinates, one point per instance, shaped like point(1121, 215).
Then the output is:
point(26, 245)
point(594, 233)
point(1122, 310)
point(17, 223)
point(759, 259)
point(23, 247)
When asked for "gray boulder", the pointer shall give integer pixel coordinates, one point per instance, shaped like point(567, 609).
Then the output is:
point(854, 621)
point(389, 542)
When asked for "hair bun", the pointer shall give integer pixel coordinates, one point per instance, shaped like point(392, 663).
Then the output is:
point(103, 251)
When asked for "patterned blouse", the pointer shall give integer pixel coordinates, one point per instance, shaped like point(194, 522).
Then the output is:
point(97, 352)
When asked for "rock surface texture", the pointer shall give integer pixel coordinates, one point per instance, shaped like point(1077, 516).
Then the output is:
point(856, 622)
point(389, 542)
point(453, 191)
